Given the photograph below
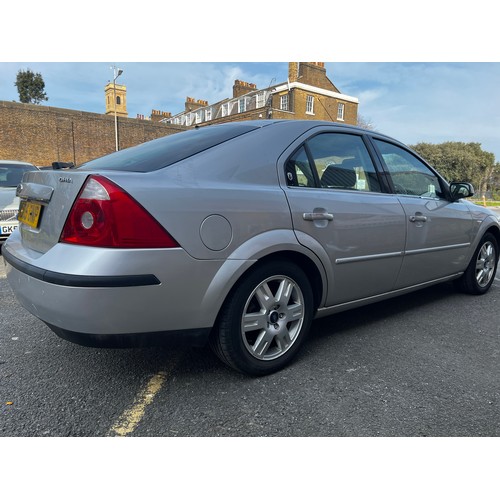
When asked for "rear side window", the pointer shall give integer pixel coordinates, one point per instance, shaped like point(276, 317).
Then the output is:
point(160, 153)
point(333, 161)
point(299, 170)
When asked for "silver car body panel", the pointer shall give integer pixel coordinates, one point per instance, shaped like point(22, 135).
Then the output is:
point(437, 233)
point(365, 229)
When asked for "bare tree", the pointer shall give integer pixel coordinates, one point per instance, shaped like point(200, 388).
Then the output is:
point(365, 123)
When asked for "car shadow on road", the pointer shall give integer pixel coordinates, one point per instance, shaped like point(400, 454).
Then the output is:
point(375, 319)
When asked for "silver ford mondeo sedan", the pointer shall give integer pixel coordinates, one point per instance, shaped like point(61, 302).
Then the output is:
point(239, 235)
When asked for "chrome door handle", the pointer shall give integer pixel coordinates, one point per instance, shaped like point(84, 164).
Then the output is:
point(418, 218)
point(317, 216)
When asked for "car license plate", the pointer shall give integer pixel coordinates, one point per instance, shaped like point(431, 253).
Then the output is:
point(8, 228)
point(29, 213)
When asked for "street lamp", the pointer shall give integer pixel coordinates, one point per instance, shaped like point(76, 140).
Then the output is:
point(116, 73)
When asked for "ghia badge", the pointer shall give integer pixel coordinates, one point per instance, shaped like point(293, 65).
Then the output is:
point(69, 180)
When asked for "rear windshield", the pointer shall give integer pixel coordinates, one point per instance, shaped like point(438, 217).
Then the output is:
point(165, 151)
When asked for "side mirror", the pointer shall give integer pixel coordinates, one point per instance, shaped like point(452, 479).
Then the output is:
point(460, 190)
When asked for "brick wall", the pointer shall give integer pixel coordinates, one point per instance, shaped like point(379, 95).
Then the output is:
point(42, 134)
point(325, 108)
point(314, 74)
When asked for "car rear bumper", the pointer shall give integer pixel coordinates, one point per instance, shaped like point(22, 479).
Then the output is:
point(89, 296)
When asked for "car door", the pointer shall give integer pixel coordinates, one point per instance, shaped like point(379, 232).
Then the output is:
point(337, 205)
point(439, 232)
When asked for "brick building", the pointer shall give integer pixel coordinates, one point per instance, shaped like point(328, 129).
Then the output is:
point(307, 94)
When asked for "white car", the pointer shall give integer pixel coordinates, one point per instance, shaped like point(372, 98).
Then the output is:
point(11, 174)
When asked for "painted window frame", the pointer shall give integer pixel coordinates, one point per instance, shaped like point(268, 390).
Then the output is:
point(242, 105)
point(340, 111)
point(260, 100)
point(310, 105)
point(284, 102)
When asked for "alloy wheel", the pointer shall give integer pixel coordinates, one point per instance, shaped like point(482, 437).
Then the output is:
point(485, 264)
point(272, 318)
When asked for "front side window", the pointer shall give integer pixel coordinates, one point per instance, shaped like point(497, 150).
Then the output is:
point(409, 175)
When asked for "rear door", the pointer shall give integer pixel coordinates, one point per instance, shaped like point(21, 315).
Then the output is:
point(438, 232)
point(338, 204)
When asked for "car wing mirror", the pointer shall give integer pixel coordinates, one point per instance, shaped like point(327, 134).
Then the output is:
point(460, 190)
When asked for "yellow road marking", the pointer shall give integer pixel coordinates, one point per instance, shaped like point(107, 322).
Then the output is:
point(130, 418)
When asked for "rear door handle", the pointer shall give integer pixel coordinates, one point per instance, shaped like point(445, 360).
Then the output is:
point(418, 218)
point(317, 216)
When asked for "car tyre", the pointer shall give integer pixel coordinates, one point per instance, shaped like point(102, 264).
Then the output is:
point(265, 319)
point(480, 273)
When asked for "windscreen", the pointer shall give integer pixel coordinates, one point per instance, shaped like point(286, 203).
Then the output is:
point(12, 175)
point(160, 153)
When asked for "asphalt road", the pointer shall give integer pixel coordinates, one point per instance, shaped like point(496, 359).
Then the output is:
point(427, 364)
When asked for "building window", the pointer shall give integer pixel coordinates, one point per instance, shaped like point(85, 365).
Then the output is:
point(225, 109)
point(208, 114)
point(188, 120)
point(242, 105)
point(118, 100)
point(284, 102)
point(260, 100)
point(340, 111)
point(197, 117)
point(310, 105)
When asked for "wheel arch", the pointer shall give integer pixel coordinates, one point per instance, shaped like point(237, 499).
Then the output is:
point(472, 281)
point(245, 260)
point(495, 231)
point(488, 226)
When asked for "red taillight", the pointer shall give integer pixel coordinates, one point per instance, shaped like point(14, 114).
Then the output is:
point(104, 215)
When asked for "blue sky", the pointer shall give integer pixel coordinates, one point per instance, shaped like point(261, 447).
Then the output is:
point(414, 101)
